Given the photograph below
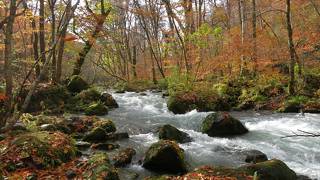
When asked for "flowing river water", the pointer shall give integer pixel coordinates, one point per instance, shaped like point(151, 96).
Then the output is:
point(141, 115)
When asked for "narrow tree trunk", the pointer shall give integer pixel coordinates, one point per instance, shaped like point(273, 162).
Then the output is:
point(291, 48)
point(52, 4)
point(134, 62)
point(35, 42)
point(42, 39)
point(254, 36)
point(242, 24)
point(8, 58)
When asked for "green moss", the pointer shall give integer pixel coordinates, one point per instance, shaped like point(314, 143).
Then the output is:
point(43, 148)
point(107, 125)
point(99, 167)
point(98, 109)
point(165, 156)
point(272, 169)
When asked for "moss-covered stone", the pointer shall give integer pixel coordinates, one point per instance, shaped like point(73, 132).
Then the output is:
point(39, 149)
point(107, 125)
point(47, 98)
point(271, 170)
point(108, 100)
point(124, 157)
point(168, 132)
point(222, 124)
point(204, 101)
point(98, 109)
point(312, 106)
point(99, 167)
point(165, 156)
point(95, 135)
point(293, 104)
point(77, 84)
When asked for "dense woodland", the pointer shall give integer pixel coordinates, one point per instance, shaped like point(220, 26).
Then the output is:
point(57, 56)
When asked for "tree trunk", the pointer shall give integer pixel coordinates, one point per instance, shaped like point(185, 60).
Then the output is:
point(134, 62)
point(242, 24)
point(35, 42)
point(42, 39)
point(52, 4)
point(291, 48)
point(254, 36)
point(93, 37)
point(8, 58)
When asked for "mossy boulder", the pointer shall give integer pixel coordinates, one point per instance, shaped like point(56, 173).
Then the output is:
point(293, 104)
point(203, 101)
point(105, 146)
point(165, 156)
point(168, 132)
point(108, 100)
point(100, 130)
point(312, 106)
point(124, 157)
point(254, 156)
point(47, 98)
point(98, 109)
point(99, 167)
point(77, 84)
point(38, 149)
point(222, 124)
point(271, 170)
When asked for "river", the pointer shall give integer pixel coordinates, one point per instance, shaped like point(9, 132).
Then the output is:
point(141, 115)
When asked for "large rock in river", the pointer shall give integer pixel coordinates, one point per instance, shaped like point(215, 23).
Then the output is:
point(98, 109)
point(271, 170)
point(108, 100)
point(168, 132)
point(165, 156)
point(100, 130)
point(222, 124)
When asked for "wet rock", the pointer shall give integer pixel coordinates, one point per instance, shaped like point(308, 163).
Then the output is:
point(143, 94)
point(168, 132)
point(124, 157)
point(82, 145)
point(120, 91)
point(99, 167)
point(107, 125)
point(98, 109)
point(48, 127)
point(165, 94)
point(105, 146)
point(271, 170)
point(165, 156)
point(117, 136)
point(255, 156)
point(95, 135)
point(77, 84)
point(71, 174)
point(222, 124)
point(108, 100)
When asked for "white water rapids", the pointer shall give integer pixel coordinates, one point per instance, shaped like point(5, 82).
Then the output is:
point(141, 115)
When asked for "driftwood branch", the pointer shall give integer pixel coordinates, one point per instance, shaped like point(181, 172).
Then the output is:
point(303, 134)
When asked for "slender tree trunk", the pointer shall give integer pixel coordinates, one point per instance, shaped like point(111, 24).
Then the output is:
point(42, 39)
point(291, 48)
point(134, 62)
point(254, 36)
point(52, 4)
point(242, 24)
point(35, 42)
point(8, 58)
